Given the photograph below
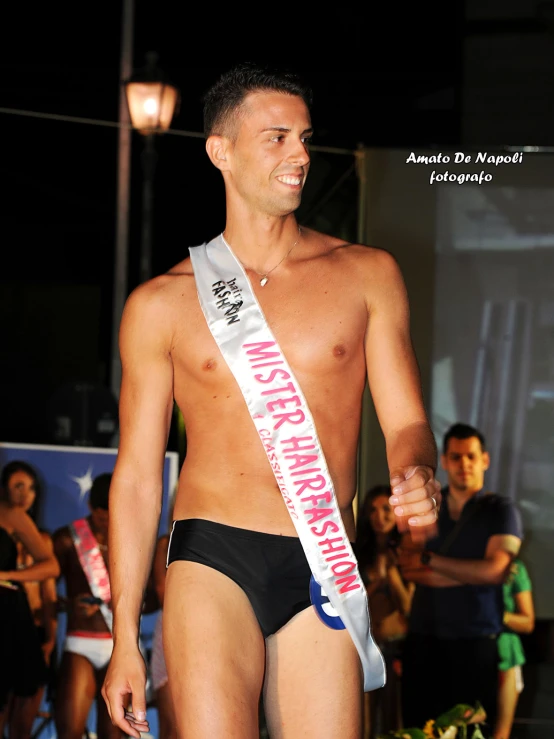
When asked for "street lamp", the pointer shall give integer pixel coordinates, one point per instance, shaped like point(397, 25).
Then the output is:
point(152, 101)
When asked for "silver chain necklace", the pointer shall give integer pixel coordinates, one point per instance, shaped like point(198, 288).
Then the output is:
point(265, 275)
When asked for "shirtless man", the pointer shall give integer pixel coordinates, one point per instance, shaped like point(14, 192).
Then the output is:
point(88, 646)
point(237, 613)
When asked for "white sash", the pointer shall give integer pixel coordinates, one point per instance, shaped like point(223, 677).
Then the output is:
point(287, 432)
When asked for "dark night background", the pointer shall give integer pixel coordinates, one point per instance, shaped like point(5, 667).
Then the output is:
point(382, 77)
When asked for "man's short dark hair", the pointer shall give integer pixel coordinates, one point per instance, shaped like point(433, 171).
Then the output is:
point(462, 431)
point(227, 95)
point(100, 491)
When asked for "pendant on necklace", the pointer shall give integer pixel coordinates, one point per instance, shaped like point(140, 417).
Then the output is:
point(263, 281)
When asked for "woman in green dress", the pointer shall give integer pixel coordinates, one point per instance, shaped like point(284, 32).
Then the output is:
point(519, 618)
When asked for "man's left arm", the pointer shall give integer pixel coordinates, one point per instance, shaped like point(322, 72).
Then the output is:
point(395, 384)
point(492, 570)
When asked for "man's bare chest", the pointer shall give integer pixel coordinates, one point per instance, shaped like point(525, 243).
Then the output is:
point(320, 331)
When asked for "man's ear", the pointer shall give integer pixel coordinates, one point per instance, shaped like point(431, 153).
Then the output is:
point(486, 460)
point(217, 147)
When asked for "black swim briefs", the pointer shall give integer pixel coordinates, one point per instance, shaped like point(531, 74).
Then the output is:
point(271, 569)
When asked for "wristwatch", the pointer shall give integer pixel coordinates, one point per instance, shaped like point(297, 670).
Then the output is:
point(425, 557)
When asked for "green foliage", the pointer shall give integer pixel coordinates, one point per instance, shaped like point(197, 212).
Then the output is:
point(460, 722)
point(461, 715)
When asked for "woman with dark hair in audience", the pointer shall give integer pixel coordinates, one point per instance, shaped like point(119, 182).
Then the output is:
point(24, 670)
point(377, 538)
point(20, 482)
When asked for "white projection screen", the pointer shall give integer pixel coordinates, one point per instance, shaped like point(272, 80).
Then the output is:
point(493, 343)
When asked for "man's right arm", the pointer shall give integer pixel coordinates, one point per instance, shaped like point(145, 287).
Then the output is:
point(145, 409)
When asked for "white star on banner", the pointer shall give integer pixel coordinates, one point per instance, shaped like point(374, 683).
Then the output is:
point(84, 483)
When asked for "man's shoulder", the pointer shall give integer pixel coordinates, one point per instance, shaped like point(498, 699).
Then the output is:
point(162, 287)
point(182, 269)
point(328, 243)
point(497, 501)
point(375, 258)
point(503, 514)
point(496, 504)
point(155, 299)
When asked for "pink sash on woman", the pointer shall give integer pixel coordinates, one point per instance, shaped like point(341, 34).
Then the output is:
point(93, 565)
point(96, 572)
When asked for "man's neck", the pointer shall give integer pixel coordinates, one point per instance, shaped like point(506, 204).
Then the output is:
point(252, 237)
point(457, 499)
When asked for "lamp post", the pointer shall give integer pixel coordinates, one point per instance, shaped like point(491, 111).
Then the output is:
point(152, 102)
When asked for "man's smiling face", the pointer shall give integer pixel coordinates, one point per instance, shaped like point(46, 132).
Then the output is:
point(268, 158)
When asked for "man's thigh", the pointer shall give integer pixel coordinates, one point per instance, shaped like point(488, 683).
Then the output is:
point(314, 683)
point(214, 651)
